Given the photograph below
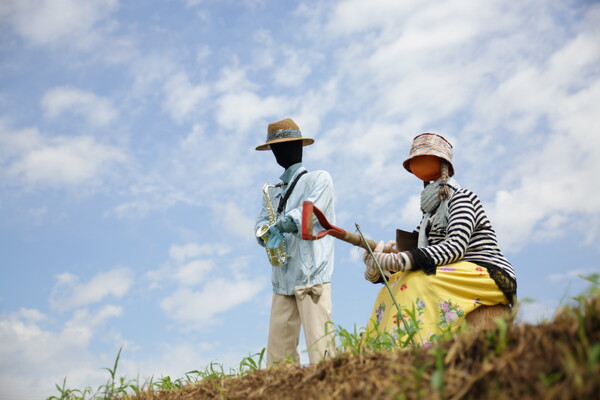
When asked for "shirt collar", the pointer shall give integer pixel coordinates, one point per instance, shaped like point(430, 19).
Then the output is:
point(289, 173)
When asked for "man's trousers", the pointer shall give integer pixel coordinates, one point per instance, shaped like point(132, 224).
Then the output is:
point(288, 313)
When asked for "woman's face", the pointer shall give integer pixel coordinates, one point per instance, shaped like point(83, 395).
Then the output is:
point(426, 168)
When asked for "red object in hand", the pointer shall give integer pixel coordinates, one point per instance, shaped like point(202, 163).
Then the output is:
point(309, 209)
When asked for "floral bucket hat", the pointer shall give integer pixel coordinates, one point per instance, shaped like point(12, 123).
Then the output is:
point(430, 144)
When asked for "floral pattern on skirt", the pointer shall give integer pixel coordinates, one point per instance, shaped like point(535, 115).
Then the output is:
point(432, 304)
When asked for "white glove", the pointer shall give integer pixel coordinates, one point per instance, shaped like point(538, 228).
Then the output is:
point(390, 262)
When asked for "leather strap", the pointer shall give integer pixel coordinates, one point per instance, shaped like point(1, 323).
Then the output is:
point(285, 198)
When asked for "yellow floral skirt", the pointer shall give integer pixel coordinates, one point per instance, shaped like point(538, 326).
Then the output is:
point(432, 304)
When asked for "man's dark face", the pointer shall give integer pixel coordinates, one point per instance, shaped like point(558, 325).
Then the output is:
point(287, 153)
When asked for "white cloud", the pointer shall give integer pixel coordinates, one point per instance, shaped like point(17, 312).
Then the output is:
point(45, 22)
point(353, 16)
point(551, 176)
point(201, 171)
point(193, 272)
point(150, 70)
point(148, 194)
point(65, 161)
point(291, 66)
point(180, 253)
point(314, 105)
point(487, 79)
point(202, 54)
point(410, 214)
point(233, 219)
point(572, 274)
point(238, 111)
point(34, 358)
point(98, 111)
point(232, 79)
point(189, 264)
point(199, 308)
point(32, 158)
point(69, 292)
point(183, 98)
point(197, 290)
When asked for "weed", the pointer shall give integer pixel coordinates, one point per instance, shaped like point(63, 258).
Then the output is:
point(574, 370)
point(502, 337)
point(249, 364)
point(69, 394)
point(550, 379)
point(437, 378)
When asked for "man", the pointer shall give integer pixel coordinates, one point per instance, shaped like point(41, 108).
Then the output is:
point(302, 284)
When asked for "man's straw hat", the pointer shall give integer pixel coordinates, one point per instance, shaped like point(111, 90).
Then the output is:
point(285, 130)
point(430, 144)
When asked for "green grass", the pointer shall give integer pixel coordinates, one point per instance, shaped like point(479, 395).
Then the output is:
point(357, 341)
point(116, 387)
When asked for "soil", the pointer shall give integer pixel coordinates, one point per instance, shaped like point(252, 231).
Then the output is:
point(554, 360)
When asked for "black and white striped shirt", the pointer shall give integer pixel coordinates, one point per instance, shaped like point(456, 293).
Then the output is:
point(469, 236)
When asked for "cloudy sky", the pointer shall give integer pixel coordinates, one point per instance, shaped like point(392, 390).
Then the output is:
point(129, 183)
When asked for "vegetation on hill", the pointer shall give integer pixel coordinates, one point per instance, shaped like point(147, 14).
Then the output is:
point(557, 359)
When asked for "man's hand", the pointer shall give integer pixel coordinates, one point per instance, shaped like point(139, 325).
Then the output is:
point(287, 224)
point(275, 237)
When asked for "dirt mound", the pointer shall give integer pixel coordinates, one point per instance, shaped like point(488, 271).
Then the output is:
point(556, 360)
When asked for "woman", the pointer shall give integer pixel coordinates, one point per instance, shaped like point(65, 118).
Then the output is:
point(457, 265)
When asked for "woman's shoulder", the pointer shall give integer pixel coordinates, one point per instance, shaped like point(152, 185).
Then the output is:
point(463, 195)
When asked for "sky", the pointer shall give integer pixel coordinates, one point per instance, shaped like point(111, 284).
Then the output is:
point(129, 183)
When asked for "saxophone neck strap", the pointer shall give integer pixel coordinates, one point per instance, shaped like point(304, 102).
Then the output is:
point(288, 193)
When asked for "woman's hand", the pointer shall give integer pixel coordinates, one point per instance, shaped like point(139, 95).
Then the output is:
point(391, 244)
point(390, 262)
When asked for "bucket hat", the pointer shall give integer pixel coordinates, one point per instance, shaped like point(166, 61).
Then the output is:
point(285, 130)
point(430, 144)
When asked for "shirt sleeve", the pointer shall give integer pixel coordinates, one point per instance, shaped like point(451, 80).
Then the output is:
point(392, 262)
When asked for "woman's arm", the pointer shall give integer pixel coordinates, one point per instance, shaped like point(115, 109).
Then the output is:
point(462, 212)
point(389, 262)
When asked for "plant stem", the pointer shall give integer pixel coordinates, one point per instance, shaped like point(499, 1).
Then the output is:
point(385, 282)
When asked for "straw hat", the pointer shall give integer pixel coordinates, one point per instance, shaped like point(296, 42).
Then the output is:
point(285, 130)
point(430, 144)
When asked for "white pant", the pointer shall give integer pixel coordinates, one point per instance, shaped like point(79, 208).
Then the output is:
point(287, 314)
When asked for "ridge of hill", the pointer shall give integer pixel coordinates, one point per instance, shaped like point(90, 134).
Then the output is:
point(559, 359)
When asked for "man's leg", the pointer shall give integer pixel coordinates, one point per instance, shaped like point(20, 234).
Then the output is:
point(284, 330)
point(318, 329)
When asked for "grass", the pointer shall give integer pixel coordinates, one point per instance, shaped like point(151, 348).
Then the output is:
point(121, 387)
point(431, 372)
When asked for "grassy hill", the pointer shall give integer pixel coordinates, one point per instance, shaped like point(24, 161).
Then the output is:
point(558, 359)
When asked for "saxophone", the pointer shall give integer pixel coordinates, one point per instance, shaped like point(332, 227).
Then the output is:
point(277, 257)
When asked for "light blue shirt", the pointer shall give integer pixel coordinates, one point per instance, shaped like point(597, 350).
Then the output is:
point(304, 257)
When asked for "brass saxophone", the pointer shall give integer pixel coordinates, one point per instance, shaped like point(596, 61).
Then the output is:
point(277, 257)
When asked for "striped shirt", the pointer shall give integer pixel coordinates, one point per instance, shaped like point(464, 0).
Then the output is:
point(469, 236)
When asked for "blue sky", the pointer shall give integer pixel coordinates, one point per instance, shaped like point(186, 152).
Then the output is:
point(129, 183)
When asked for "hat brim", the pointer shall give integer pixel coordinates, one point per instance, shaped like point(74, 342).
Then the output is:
point(441, 155)
point(267, 146)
